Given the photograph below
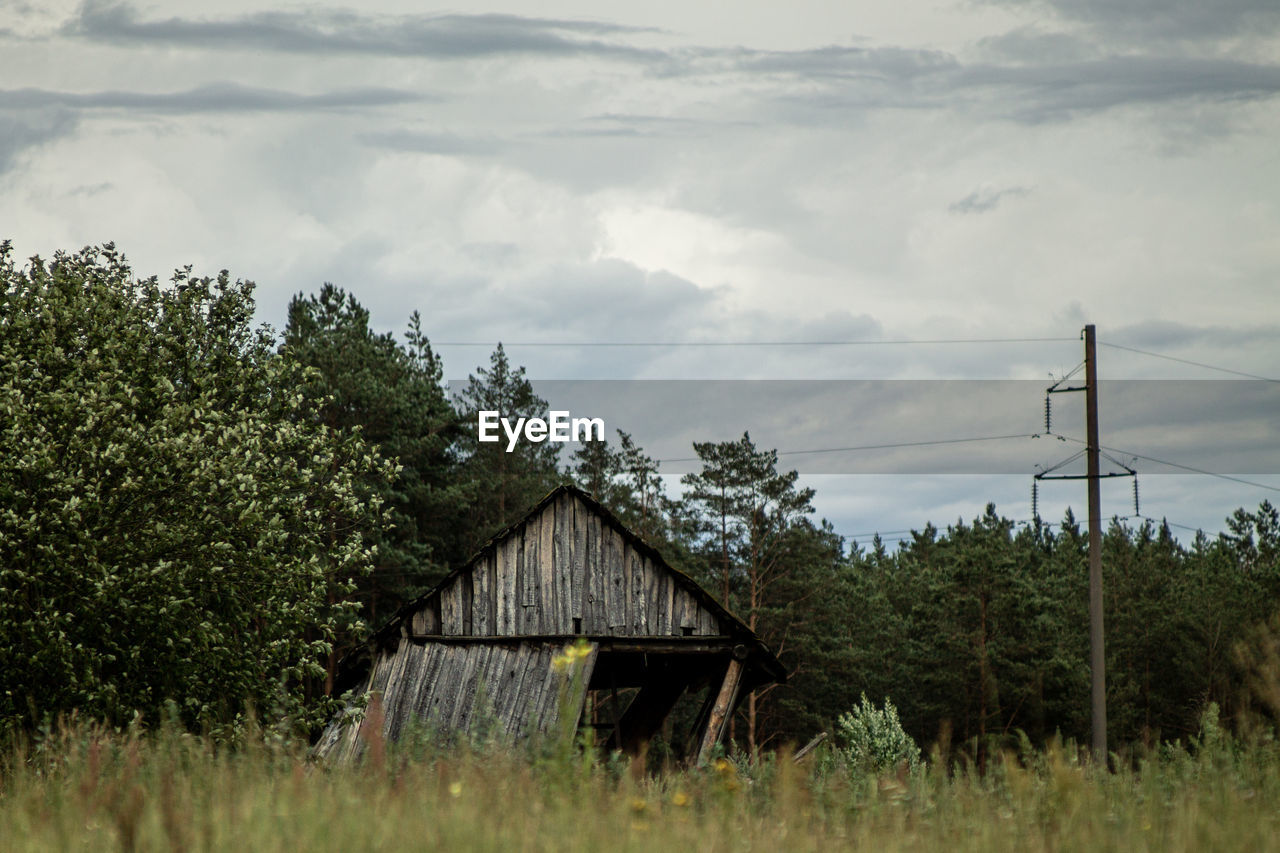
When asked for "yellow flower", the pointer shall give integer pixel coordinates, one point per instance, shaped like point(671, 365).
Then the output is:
point(722, 766)
point(455, 789)
point(638, 805)
point(679, 798)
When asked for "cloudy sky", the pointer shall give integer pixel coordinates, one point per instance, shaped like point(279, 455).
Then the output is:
point(572, 171)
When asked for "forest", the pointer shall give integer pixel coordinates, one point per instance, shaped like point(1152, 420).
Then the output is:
point(199, 517)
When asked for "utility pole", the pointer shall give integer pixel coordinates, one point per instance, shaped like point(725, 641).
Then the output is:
point(1094, 476)
point(1097, 650)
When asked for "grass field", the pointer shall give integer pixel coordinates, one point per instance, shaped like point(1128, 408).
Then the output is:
point(83, 790)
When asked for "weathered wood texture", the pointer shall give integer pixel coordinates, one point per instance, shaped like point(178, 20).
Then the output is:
point(509, 691)
point(565, 571)
point(726, 699)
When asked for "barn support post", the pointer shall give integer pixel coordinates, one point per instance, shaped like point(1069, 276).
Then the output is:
point(722, 709)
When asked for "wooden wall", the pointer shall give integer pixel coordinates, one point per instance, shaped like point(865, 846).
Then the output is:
point(513, 687)
point(565, 571)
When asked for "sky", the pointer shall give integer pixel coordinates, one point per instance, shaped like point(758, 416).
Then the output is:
point(695, 172)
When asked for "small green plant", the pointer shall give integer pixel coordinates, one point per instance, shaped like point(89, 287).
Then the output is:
point(872, 739)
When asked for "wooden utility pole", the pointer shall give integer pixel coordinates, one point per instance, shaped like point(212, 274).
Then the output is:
point(1097, 650)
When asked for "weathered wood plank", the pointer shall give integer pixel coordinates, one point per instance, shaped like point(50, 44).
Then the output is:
point(549, 617)
point(689, 608)
point(725, 700)
point(467, 603)
point(511, 711)
point(478, 658)
point(665, 594)
point(445, 686)
point(507, 576)
point(426, 620)
point(402, 681)
point(529, 617)
point(488, 690)
point(594, 620)
point(614, 579)
point(531, 690)
point(563, 552)
point(639, 610)
point(577, 561)
point(451, 608)
point(706, 622)
point(482, 596)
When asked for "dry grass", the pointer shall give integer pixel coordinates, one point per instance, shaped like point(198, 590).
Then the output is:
point(83, 790)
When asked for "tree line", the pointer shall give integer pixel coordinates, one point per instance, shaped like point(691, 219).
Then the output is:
point(198, 518)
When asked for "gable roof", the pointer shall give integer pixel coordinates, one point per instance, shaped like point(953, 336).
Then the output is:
point(758, 651)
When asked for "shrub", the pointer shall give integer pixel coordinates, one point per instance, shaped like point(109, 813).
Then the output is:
point(873, 740)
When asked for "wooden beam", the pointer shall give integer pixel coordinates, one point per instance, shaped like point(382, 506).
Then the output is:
point(646, 645)
point(720, 711)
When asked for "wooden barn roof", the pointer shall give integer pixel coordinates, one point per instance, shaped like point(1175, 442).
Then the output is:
point(761, 657)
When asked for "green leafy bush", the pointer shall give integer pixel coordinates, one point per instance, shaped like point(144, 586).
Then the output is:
point(872, 739)
point(176, 523)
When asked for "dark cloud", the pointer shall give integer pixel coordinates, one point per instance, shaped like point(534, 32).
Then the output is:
point(32, 130)
point(985, 199)
point(1180, 20)
point(632, 125)
point(1033, 45)
point(1052, 91)
point(1032, 75)
point(1165, 335)
point(215, 97)
point(432, 143)
point(1039, 92)
point(887, 63)
point(452, 36)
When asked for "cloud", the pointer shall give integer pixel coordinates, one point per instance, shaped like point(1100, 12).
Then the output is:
point(450, 36)
point(212, 98)
point(1181, 20)
point(447, 144)
point(985, 199)
point(31, 131)
point(1166, 335)
point(1054, 91)
point(1033, 93)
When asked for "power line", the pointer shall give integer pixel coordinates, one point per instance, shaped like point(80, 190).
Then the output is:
point(901, 342)
point(1179, 465)
point(878, 446)
point(1188, 361)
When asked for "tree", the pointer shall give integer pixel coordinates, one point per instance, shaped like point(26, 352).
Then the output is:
point(165, 492)
point(749, 509)
point(392, 394)
point(503, 483)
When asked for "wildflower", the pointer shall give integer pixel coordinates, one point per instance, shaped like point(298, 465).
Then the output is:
point(455, 789)
point(568, 659)
point(680, 798)
point(638, 805)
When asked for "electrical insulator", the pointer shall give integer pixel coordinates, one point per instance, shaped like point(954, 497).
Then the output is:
point(1136, 511)
point(1048, 429)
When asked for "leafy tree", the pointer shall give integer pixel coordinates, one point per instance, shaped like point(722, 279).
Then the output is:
point(165, 493)
point(392, 394)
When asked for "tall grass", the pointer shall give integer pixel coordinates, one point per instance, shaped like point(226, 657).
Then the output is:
point(86, 789)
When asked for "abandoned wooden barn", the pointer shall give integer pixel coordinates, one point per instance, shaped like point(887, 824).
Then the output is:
point(481, 648)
